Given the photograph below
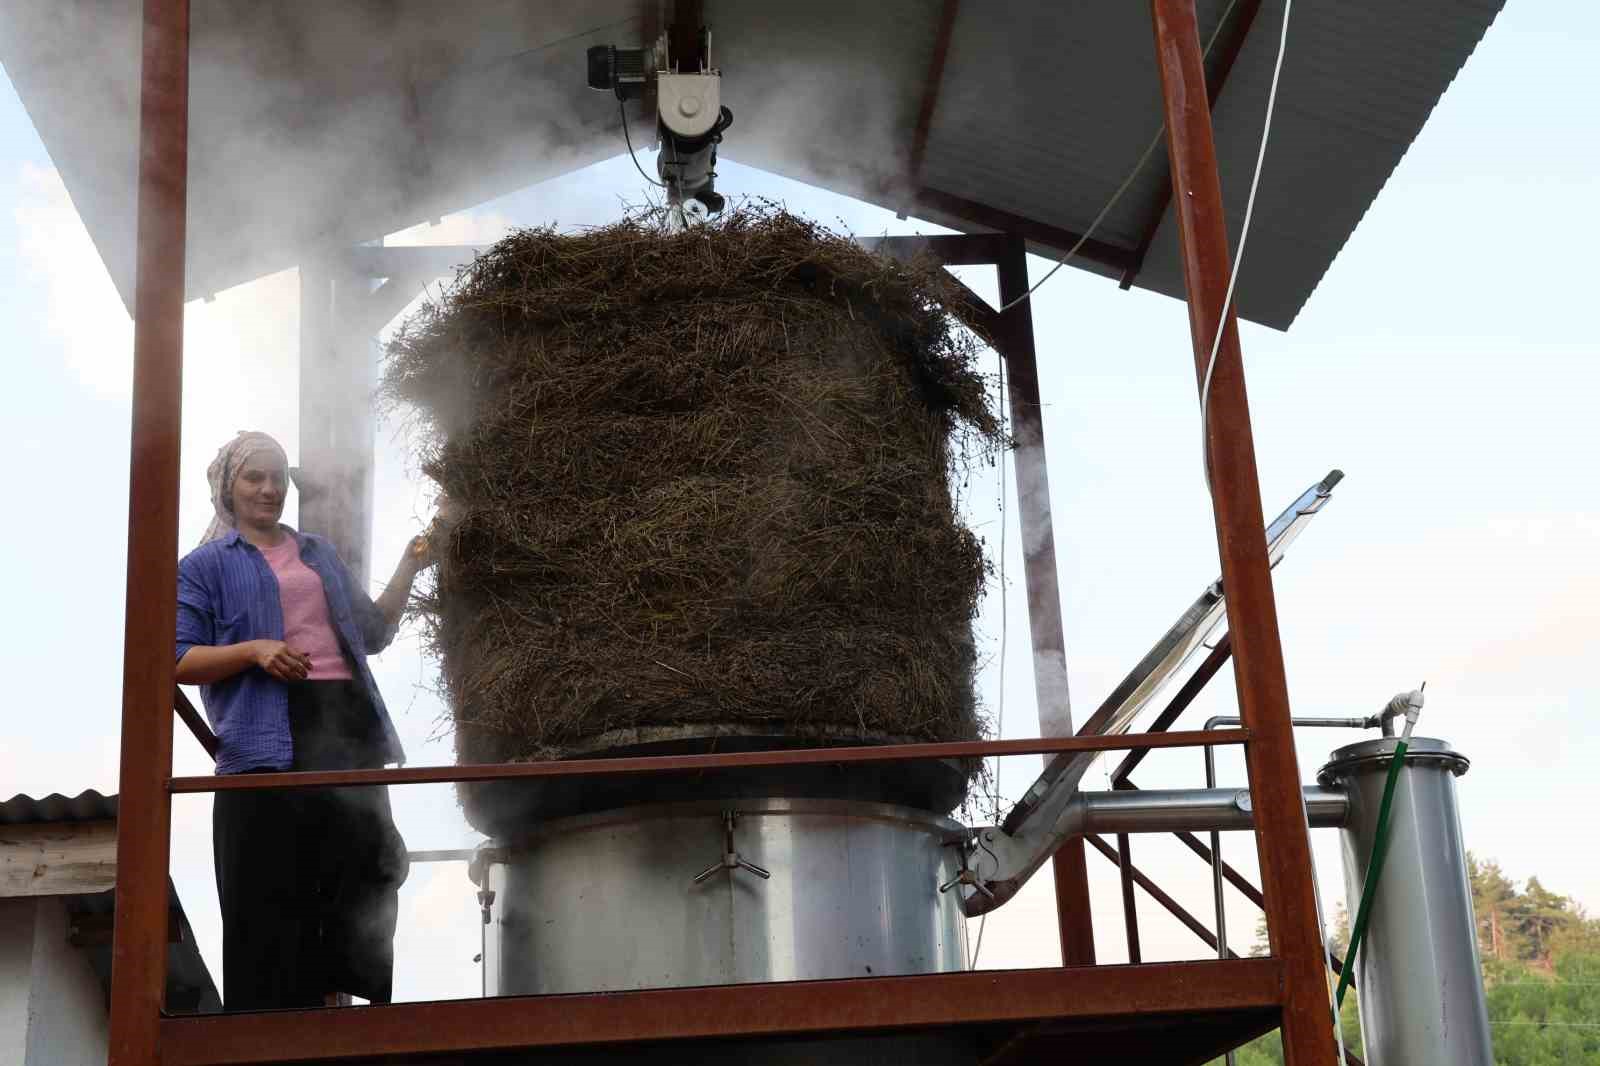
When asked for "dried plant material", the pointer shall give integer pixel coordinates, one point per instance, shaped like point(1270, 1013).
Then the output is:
point(699, 478)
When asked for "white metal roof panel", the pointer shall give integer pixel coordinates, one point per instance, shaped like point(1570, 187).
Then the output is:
point(320, 123)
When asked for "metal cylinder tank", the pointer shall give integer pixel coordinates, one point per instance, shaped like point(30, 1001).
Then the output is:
point(729, 891)
point(1418, 977)
point(673, 895)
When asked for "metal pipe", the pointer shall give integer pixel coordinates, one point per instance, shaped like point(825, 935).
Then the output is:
point(1282, 839)
point(1422, 1003)
point(1195, 809)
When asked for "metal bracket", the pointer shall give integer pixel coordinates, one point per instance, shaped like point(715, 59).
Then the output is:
point(731, 859)
point(965, 876)
point(486, 903)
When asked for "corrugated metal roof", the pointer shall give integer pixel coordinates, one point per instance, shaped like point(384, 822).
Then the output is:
point(88, 806)
point(190, 988)
point(1359, 80)
point(316, 124)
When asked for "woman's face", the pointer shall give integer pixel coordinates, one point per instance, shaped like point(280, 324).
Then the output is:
point(259, 488)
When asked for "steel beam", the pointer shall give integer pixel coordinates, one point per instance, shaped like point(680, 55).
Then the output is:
point(952, 249)
point(1181, 700)
point(1281, 834)
point(197, 725)
point(1044, 591)
point(834, 1008)
point(1173, 907)
point(139, 944)
point(960, 209)
point(657, 764)
point(1130, 908)
point(930, 92)
point(1232, 43)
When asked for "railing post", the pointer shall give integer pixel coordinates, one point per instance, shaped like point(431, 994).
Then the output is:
point(144, 813)
point(1044, 593)
point(1281, 834)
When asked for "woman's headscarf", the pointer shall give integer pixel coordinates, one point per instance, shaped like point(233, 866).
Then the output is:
point(220, 474)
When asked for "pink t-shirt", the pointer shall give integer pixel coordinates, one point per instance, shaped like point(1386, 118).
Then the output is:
point(306, 625)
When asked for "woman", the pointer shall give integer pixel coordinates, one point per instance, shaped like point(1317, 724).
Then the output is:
point(276, 631)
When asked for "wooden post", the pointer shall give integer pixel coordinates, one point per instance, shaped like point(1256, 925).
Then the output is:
point(139, 946)
point(1281, 834)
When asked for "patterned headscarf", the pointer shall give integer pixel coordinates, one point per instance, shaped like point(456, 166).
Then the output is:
point(220, 474)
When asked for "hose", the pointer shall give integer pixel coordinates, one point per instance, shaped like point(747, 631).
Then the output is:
point(1409, 704)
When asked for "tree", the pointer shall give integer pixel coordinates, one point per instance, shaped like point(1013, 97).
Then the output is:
point(1541, 969)
point(1492, 890)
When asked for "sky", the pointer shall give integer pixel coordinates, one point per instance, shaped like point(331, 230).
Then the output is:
point(1447, 363)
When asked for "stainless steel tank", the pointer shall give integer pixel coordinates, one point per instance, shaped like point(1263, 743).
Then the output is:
point(1421, 994)
point(673, 895)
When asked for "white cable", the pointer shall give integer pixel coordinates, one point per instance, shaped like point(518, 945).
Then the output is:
point(1134, 173)
point(1000, 699)
point(1238, 257)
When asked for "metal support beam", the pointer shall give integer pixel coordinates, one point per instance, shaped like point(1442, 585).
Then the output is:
point(139, 946)
point(728, 760)
point(930, 92)
point(1197, 682)
point(838, 1008)
point(1044, 592)
point(1130, 909)
point(197, 725)
point(1229, 45)
point(1281, 835)
point(1173, 907)
point(688, 16)
point(938, 205)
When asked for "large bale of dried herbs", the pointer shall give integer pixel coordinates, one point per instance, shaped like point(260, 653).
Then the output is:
point(702, 480)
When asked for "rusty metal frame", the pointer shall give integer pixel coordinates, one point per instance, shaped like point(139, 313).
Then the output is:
point(139, 940)
point(1282, 839)
point(930, 91)
point(1291, 980)
point(1231, 44)
point(734, 760)
point(857, 1005)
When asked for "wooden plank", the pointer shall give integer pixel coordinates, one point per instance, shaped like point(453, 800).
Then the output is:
point(58, 859)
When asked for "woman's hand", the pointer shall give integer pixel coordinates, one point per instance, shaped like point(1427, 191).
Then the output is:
point(280, 660)
point(419, 553)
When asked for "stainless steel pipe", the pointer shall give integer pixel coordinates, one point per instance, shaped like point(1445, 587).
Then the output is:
point(1422, 999)
point(1194, 809)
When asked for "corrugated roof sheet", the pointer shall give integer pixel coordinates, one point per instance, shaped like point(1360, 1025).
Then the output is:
point(190, 988)
point(88, 806)
point(318, 124)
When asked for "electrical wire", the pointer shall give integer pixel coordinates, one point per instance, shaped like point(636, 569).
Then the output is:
point(1000, 697)
point(1126, 182)
point(1238, 256)
point(627, 139)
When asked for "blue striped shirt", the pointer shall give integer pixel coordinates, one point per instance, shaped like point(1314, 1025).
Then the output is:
point(227, 594)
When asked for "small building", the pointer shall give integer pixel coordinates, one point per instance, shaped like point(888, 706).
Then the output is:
point(58, 863)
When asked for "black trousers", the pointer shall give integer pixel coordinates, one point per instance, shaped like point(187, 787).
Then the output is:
point(308, 879)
